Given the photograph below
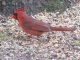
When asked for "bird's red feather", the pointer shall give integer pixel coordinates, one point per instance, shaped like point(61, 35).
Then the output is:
point(33, 26)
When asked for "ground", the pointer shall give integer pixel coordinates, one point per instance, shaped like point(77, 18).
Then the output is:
point(16, 45)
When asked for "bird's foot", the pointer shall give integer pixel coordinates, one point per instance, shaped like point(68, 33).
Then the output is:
point(43, 39)
point(32, 37)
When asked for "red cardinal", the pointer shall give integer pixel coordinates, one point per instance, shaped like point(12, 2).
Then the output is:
point(33, 26)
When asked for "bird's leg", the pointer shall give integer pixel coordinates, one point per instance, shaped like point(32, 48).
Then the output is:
point(31, 36)
point(43, 38)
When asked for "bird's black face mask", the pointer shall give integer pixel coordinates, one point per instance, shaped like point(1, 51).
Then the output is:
point(15, 16)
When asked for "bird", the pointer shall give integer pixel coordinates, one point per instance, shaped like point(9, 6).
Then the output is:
point(33, 26)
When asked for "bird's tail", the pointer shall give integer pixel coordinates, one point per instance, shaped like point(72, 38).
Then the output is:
point(62, 29)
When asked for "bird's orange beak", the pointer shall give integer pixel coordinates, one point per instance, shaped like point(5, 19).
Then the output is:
point(12, 17)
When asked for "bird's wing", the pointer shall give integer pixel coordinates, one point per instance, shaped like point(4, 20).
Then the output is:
point(36, 25)
point(39, 25)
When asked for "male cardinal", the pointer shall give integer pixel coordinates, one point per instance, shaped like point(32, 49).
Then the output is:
point(33, 26)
